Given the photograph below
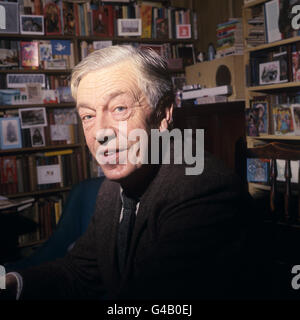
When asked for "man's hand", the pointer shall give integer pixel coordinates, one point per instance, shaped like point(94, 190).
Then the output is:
point(10, 292)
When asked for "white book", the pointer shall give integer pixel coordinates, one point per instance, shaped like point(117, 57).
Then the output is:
point(216, 91)
point(271, 18)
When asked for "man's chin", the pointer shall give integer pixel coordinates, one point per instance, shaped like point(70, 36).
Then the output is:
point(116, 172)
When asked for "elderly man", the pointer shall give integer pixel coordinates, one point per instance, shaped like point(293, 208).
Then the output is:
point(157, 232)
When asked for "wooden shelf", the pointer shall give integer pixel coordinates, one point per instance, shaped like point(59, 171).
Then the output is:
point(254, 3)
point(134, 39)
point(273, 44)
point(54, 71)
point(49, 105)
point(275, 86)
point(37, 192)
point(37, 149)
point(275, 137)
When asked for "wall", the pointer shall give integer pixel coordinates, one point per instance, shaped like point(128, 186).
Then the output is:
point(210, 13)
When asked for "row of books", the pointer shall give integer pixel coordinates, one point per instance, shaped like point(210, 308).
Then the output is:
point(276, 65)
point(46, 213)
point(268, 117)
point(271, 21)
point(230, 38)
point(92, 18)
point(36, 127)
point(40, 171)
point(43, 54)
point(178, 55)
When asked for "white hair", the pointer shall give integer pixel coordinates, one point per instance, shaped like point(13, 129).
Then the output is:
point(153, 77)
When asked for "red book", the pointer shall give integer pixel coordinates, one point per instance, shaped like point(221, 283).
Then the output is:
point(103, 21)
point(9, 174)
point(29, 54)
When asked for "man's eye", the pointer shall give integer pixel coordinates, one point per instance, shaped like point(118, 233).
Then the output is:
point(87, 117)
point(120, 109)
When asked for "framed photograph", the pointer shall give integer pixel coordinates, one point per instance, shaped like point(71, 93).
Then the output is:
point(52, 19)
point(9, 17)
point(158, 48)
point(19, 80)
point(33, 117)
point(183, 31)
point(48, 174)
point(10, 133)
point(37, 136)
point(129, 27)
point(269, 72)
point(30, 24)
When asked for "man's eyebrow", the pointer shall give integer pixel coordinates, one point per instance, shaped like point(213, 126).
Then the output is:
point(106, 98)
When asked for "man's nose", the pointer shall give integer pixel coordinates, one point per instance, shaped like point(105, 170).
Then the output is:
point(104, 136)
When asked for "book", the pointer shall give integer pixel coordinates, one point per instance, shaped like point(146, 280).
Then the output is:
point(257, 170)
point(52, 19)
point(29, 54)
point(283, 120)
point(251, 116)
point(69, 21)
point(261, 110)
point(271, 21)
point(146, 16)
point(103, 21)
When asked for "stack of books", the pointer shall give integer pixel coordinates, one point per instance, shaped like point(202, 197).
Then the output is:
point(230, 38)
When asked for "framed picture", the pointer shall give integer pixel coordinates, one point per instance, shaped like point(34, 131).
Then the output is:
point(158, 48)
point(9, 17)
point(129, 27)
point(34, 93)
point(33, 117)
point(10, 133)
point(269, 72)
point(30, 24)
point(19, 80)
point(262, 109)
point(183, 31)
point(37, 136)
point(52, 19)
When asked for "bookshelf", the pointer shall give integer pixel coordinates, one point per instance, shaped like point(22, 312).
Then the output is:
point(275, 94)
point(27, 158)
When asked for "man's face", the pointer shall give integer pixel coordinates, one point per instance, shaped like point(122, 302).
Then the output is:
point(110, 104)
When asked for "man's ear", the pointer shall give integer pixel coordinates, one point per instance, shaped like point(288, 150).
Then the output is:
point(167, 120)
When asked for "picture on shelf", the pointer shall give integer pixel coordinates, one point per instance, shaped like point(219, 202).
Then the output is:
point(34, 93)
point(269, 72)
point(33, 117)
point(45, 51)
point(162, 28)
point(158, 48)
point(37, 136)
point(9, 20)
point(262, 115)
point(129, 27)
point(296, 118)
point(48, 174)
point(10, 133)
point(31, 24)
point(29, 54)
point(52, 19)
point(183, 31)
point(283, 120)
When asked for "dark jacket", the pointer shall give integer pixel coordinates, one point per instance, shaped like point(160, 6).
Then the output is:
point(192, 240)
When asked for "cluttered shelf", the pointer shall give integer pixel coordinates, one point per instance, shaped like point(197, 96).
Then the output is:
point(36, 149)
point(274, 87)
point(47, 71)
point(273, 44)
